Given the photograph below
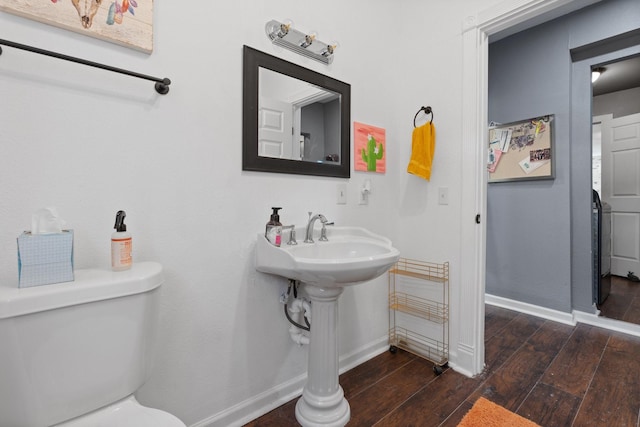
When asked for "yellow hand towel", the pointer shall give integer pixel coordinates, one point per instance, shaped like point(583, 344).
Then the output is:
point(423, 147)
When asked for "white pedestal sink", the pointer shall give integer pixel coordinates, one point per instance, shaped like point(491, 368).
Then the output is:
point(352, 255)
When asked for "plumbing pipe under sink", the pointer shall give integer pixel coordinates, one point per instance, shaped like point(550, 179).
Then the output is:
point(298, 306)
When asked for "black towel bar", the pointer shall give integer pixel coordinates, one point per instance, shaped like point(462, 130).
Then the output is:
point(161, 86)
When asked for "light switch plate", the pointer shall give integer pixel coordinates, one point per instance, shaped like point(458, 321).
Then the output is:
point(443, 196)
point(341, 194)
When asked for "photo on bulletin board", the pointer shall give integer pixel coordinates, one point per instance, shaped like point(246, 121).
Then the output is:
point(125, 22)
point(521, 150)
point(369, 146)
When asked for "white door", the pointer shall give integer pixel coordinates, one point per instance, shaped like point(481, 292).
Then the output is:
point(275, 120)
point(621, 190)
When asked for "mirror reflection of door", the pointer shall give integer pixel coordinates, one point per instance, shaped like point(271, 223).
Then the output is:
point(297, 120)
point(274, 128)
point(616, 178)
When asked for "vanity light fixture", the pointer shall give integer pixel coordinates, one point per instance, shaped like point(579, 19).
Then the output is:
point(284, 35)
point(596, 73)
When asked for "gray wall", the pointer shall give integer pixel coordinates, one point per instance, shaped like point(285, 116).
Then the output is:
point(312, 122)
point(621, 103)
point(538, 232)
point(332, 127)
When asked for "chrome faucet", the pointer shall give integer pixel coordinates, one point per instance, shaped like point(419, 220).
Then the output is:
point(312, 221)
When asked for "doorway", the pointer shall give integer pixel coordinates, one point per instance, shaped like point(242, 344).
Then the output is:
point(549, 269)
point(468, 324)
point(616, 179)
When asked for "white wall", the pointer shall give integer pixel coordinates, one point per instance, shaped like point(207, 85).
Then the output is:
point(92, 142)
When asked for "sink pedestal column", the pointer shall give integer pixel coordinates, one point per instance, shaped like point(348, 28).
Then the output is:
point(322, 403)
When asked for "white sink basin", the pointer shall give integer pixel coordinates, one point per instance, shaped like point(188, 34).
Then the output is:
point(352, 255)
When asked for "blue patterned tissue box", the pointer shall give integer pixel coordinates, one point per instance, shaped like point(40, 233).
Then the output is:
point(44, 259)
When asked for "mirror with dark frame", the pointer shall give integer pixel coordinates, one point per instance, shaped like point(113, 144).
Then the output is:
point(295, 120)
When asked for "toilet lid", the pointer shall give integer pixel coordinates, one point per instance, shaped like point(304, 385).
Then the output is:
point(125, 413)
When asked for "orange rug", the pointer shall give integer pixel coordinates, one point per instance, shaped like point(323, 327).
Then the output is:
point(487, 414)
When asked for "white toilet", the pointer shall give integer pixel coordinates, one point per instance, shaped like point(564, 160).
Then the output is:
point(72, 354)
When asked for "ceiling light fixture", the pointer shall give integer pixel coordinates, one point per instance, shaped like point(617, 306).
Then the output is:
point(596, 73)
point(284, 35)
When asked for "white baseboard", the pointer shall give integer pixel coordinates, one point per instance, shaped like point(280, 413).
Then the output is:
point(606, 323)
point(258, 405)
point(243, 412)
point(460, 357)
point(572, 318)
point(534, 310)
point(364, 353)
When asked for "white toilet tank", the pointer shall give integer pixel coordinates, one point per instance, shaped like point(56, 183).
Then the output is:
point(71, 348)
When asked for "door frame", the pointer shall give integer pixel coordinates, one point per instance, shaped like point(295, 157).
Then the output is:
point(514, 15)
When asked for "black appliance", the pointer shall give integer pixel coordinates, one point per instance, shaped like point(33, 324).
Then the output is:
point(601, 244)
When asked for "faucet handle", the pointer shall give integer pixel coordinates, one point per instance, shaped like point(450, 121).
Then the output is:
point(292, 234)
point(323, 232)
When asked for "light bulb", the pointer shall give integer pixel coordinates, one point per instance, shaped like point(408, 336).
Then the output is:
point(331, 47)
point(596, 73)
point(308, 39)
point(277, 29)
point(286, 25)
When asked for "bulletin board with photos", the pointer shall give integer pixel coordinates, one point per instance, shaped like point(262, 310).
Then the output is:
point(521, 150)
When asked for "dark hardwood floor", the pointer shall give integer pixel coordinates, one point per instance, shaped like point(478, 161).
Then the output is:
point(550, 373)
point(623, 302)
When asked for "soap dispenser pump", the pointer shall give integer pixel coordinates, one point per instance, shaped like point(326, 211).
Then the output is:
point(273, 231)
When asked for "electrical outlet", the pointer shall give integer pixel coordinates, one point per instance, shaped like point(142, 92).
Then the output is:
point(363, 197)
point(341, 194)
point(443, 196)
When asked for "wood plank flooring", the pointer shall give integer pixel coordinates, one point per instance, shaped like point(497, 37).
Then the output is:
point(550, 373)
point(623, 302)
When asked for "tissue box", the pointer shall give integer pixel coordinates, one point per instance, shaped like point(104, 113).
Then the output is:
point(44, 259)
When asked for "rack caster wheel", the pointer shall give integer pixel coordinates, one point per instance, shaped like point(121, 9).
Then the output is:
point(440, 369)
point(393, 349)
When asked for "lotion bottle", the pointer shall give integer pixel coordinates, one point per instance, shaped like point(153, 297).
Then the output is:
point(120, 245)
point(273, 231)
